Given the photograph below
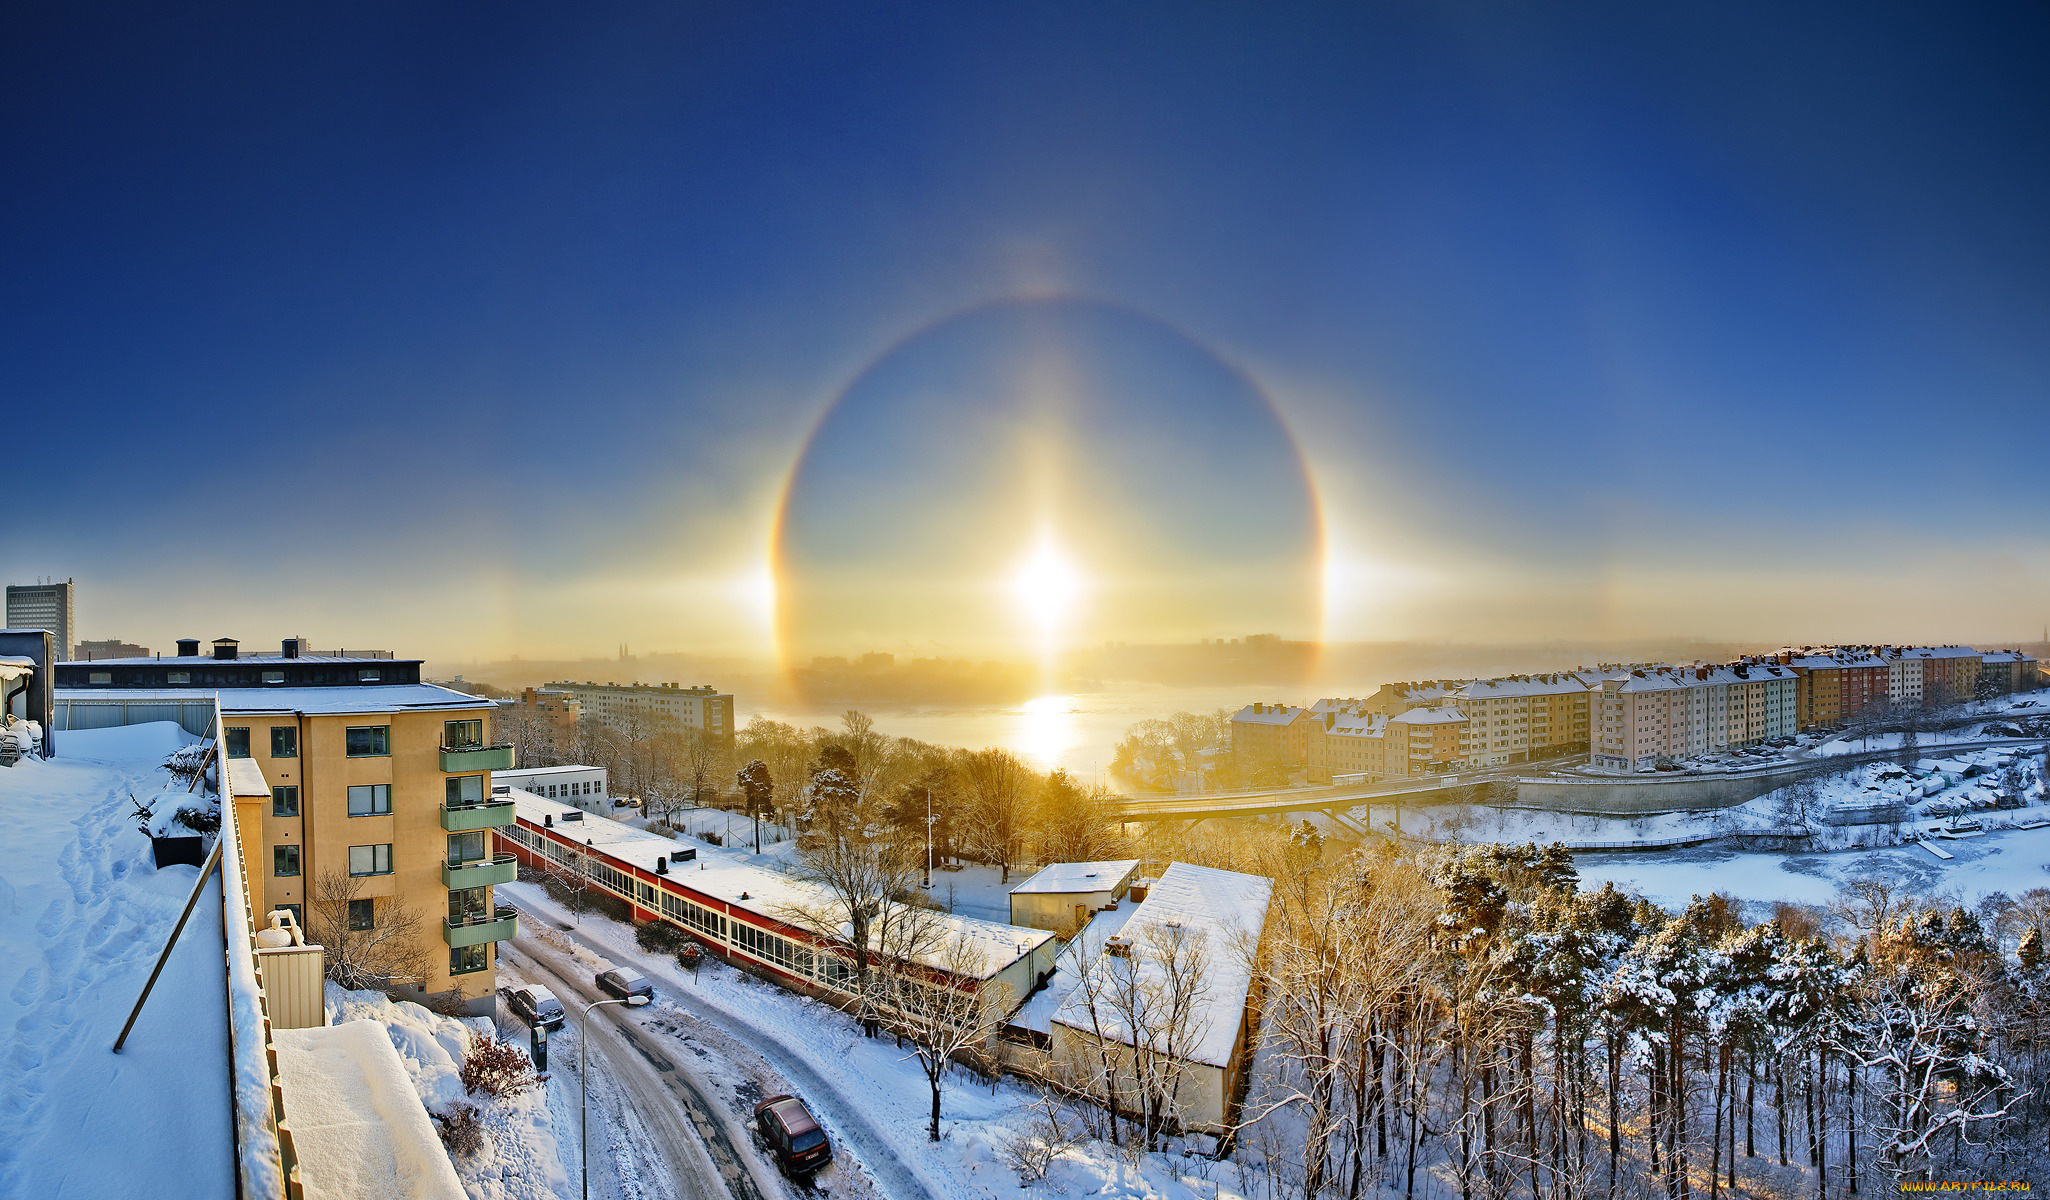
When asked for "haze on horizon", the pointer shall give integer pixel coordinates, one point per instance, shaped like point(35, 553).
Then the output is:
point(775, 332)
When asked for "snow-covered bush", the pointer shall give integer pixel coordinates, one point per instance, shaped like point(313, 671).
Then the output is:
point(461, 1133)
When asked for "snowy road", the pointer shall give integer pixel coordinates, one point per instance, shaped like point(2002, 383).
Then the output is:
point(704, 1153)
point(755, 1055)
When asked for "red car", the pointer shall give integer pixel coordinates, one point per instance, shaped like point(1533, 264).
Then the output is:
point(793, 1133)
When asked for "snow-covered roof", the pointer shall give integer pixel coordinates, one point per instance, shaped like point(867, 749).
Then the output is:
point(245, 778)
point(534, 772)
point(84, 1122)
point(1429, 716)
point(1078, 877)
point(729, 876)
point(1222, 912)
point(158, 660)
point(1370, 725)
point(13, 666)
point(358, 1125)
point(1267, 714)
point(313, 701)
point(1529, 685)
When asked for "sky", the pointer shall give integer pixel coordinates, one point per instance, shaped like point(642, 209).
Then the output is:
point(760, 329)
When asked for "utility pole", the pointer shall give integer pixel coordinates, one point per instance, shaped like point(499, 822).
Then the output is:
point(927, 885)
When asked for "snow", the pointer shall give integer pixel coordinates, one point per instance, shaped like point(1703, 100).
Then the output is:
point(521, 1158)
point(82, 919)
point(868, 1093)
point(363, 698)
point(1225, 911)
point(357, 1123)
point(1037, 1013)
point(1077, 877)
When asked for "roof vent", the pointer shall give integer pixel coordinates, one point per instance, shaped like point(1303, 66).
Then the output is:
point(291, 647)
point(548, 820)
point(188, 647)
point(226, 648)
point(661, 866)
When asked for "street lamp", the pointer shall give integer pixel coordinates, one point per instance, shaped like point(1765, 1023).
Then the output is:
point(927, 885)
point(584, 1078)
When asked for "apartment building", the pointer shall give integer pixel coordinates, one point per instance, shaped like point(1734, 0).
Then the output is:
point(1520, 717)
point(1650, 714)
point(378, 788)
point(1278, 733)
point(1424, 741)
point(1348, 742)
point(1839, 684)
point(46, 606)
point(2003, 671)
point(702, 708)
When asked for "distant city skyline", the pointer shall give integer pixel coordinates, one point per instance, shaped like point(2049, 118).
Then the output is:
point(1005, 330)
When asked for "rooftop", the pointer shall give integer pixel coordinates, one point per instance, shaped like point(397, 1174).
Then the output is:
point(90, 915)
point(158, 660)
point(1223, 912)
point(313, 701)
point(1060, 878)
point(729, 876)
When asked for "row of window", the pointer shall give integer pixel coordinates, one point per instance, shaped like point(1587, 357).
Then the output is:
point(359, 741)
point(363, 860)
point(374, 799)
point(556, 791)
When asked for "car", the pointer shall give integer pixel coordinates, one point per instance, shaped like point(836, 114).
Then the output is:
point(534, 1004)
point(625, 983)
point(793, 1134)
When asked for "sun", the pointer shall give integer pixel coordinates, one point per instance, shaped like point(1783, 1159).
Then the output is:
point(1046, 587)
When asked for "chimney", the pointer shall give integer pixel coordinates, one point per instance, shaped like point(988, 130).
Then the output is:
point(226, 648)
point(662, 865)
point(188, 647)
point(291, 647)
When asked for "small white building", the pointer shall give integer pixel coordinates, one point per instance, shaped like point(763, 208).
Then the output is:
point(1062, 896)
point(585, 787)
point(1210, 920)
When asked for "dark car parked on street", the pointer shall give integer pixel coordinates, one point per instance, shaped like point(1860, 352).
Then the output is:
point(793, 1134)
point(625, 983)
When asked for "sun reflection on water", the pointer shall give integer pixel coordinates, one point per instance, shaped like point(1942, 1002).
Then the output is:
point(1045, 730)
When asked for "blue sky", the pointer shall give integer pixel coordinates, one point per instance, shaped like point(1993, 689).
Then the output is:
point(473, 328)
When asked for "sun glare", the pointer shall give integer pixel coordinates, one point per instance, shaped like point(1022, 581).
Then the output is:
point(1046, 587)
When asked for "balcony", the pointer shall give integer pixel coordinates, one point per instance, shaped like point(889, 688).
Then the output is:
point(498, 925)
point(485, 814)
point(483, 872)
point(456, 759)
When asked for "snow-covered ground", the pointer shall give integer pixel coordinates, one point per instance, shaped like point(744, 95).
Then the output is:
point(83, 915)
point(869, 1093)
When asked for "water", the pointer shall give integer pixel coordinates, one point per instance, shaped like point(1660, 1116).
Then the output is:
point(1075, 730)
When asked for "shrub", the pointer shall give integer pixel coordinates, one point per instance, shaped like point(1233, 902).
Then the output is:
point(199, 820)
point(660, 937)
point(497, 1068)
point(461, 1133)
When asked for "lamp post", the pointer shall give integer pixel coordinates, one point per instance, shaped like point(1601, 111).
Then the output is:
point(584, 1080)
point(927, 885)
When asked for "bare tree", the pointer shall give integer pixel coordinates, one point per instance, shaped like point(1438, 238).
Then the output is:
point(370, 943)
point(946, 1012)
point(1000, 794)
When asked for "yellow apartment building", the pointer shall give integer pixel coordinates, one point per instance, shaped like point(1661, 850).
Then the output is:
point(374, 798)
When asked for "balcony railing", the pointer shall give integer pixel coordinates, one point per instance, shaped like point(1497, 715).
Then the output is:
point(474, 929)
point(473, 757)
point(484, 814)
point(482, 872)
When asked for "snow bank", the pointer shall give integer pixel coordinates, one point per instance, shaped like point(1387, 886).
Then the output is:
point(357, 1123)
point(520, 1159)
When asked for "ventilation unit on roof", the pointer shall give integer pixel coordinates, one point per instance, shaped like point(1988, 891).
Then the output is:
point(682, 856)
point(661, 866)
point(573, 815)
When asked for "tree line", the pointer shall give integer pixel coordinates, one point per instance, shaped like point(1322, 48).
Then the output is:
point(1472, 1015)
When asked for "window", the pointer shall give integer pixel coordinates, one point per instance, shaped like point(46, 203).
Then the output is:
point(99, 677)
point(369, 741)
point(298, 918)
point(273, 676)
point(370, 860)
point(369, 799)
point(462, 735)
point(465, 959)
point(368, 675)
point(284, 741)
point(238, 741)
point(284, 801)
point(284, 860)
point(176, 677)
point(467, 904)
point(466, 847)
point(464, 790)
point(362, 914)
